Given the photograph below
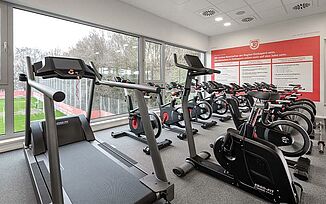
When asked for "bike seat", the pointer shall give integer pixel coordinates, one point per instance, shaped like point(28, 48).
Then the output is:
point(262, 95)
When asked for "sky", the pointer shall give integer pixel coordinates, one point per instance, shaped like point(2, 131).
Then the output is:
point(46, 32)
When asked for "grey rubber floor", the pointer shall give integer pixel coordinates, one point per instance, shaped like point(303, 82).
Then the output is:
point(194, 188)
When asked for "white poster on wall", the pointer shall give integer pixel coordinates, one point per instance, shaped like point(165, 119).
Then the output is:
point(228, 75)
point(293, 73)
point(255, 73)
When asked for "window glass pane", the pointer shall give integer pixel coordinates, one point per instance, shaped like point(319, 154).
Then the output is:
point(173, 73)
point(113, 53)
point(152, 61)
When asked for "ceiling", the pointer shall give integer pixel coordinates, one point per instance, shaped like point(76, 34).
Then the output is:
point(187, 12)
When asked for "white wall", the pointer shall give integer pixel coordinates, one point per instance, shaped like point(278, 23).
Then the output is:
point(297, 28)
point(119, 15)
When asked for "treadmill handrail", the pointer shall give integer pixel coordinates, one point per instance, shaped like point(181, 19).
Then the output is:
point(139, 87)
point(202, 70)
point(146, 88)
point(53, 94)
point(50, 95)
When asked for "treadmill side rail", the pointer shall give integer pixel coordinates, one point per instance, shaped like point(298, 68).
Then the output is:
point(42, 194)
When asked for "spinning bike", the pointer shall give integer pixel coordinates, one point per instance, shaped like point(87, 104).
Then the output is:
point(136, 126)
point(170, 114)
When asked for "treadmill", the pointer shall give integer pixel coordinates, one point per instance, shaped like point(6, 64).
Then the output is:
point(67, 163)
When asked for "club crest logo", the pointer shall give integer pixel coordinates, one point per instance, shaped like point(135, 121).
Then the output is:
point(254, 44)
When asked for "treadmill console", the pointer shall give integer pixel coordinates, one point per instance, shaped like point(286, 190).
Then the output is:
point(63, 68)
point(193, 61)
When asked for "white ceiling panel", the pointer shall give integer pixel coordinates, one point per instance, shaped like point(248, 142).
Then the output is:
point(274, 12)
point(254, 1)
point(267, 4)
point(193, 5)
point(179, 2)
point(215, 2)
point(289, 1)
point(230, 5)
point(186, 12)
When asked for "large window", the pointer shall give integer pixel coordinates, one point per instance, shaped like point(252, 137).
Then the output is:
point(114, 54)
point(26, 33)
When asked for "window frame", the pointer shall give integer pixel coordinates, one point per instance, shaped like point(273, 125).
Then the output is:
point(6, 61)
point(4, 44)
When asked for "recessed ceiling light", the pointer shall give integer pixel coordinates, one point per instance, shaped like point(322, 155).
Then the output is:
point(125, 45)
point(218, 19)
point(227, 24)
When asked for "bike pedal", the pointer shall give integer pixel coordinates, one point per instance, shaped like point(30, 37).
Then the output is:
point(302, 169)
point(146, 150)
point(182, 136)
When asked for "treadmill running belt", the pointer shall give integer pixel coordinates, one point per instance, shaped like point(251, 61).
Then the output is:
point(91, 177)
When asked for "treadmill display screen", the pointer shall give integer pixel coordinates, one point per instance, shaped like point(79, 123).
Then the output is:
point(194, 61)
point(67, 64)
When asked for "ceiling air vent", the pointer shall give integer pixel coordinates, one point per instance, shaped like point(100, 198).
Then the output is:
point(206, 13)
point(301, 6)
point(239, 13)
point(247, 19)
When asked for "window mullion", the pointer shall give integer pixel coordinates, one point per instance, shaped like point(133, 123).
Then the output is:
point(9, 75)
point(141, 60)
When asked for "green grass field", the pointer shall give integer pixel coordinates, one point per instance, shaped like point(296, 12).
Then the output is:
point(19, 113)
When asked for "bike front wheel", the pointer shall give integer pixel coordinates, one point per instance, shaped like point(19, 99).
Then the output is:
point(156, 124)
point(205, 110)
point(299, 139)
point(220, 106)
point(299, 119)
